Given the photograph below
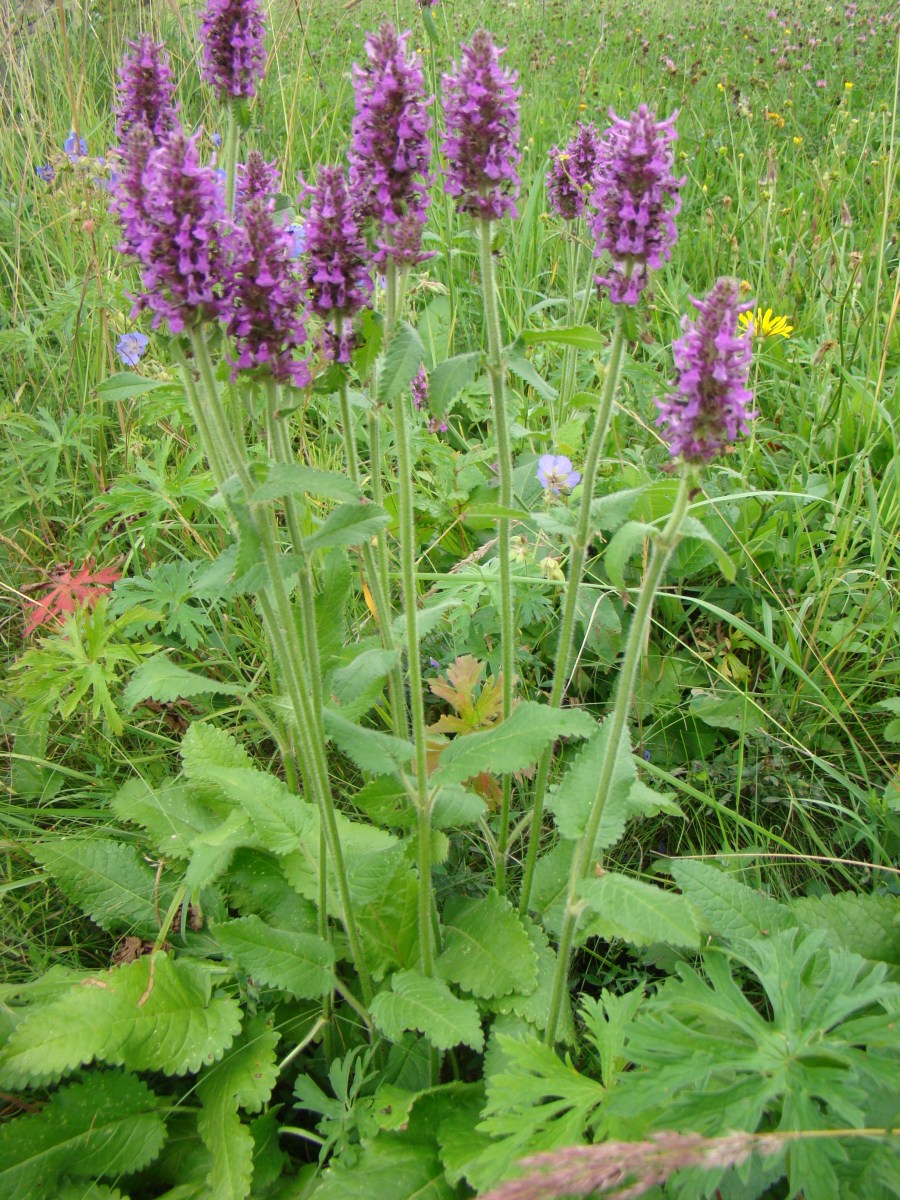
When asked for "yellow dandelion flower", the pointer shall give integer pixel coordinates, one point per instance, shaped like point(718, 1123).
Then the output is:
point(848, 86)
point(765, 325)
point(798, 141)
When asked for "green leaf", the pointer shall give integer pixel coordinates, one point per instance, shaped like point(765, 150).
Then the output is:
point(735, 711)
point(230, 1145)
point(347, 525)
point(609, 512)
point(247, 1074)
point(358, 685)
point(456, 808)
point(427, 619)
point(331, 607)
point(211, 853)
point(391, 1167)
point(692, 529)
point(512, 745)
point(126, 385)
point(206, 747)
point(155, 1014)
point(295, 479)
point(869, 925)
point(487, 951)
point(624, 542)
point(374, 752)
point(448, 379)
point(171, 815)
point(107, 879)
point(640, 913)
point(516, 362)
point(573, 798)
point(535, 1007)
point(299, 963)
point(158, 678)
point(732, 909)
point(428, 1005)
point(107, 1125)
point(279, 818)
point(582, 337)
point(404, 357)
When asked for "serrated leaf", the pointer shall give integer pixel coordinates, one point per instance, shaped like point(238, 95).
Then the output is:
point(211, 853)
point(172, 817)
point(516, 362)
point(107, 1125)
point(154, 1014)
point(206, 747)
point(454, 807)
point(390, 1167)
point(427, 619)
point(295, 479)
point(299, 963)
point(331, 606)
point(625, 541)
point(869, 925)
point(427, 1005)
point(573, 798)
point(692, 529)
point(347, 525)
point(487, 951)
point(230, 1145)
point(107, 879)
point(448, 379)
point(404, 357)
point(535, 1007)
point(247, 1073)
point(609, 512)
point(280, 819)
point(732, 909)
point(582, 337)
point(512, 745)
point(358, 685)
point(373, 751)
point(158, 678)
point(640, 913)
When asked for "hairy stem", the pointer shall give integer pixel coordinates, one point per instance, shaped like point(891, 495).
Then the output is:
point(663, 546)
point(577, 554)
point(497, 371)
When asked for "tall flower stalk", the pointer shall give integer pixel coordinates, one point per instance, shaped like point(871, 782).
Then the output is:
point(481, 111)
point(708, 410)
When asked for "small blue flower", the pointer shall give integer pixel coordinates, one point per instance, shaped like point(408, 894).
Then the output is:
point(299, 232)
point(75, 147)
point(45, 172)
point(555, 473)
point(221, 175)
point(131, 348)
point(216, 139)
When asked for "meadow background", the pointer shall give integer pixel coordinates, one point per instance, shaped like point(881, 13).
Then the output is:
point(769, 705)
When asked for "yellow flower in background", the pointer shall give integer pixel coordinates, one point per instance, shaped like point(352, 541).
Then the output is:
point(764, 324)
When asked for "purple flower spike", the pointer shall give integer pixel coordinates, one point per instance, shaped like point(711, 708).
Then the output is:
point(173, 217)
point(634, 184)
point(555, 473)
point(391, 151)
point(145, 90)
point(234, 58)
point(574, 171)
point(256, 180)
point(711, 405)
point(337, 273)
point(265, 296)
point(419, 388)
point(481, 107)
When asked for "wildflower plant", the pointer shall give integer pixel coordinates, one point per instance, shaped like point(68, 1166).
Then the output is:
point(388, 901)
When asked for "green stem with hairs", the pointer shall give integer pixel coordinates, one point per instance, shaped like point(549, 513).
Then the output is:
point(497, 372)
point(577, 554)
point(663, 547)
point(290, 653)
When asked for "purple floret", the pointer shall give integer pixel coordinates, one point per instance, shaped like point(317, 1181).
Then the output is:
point(710, 407)
point(173, 218)
point(481, 105)
point(234, 56)
point(337, 272)
point(637, 200)
point(145, 91)
point(574, 171)
point(265, 296)
point(256, 180)
point(390, 152)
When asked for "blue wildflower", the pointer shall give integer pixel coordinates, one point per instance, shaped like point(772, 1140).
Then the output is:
point(75, 147)
point(131, 348)
point(299, 234)
point(555, 473)
point(45, 172)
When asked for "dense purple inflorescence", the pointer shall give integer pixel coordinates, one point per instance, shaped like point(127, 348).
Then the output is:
point(481, 107)
point(711, 405)
point(145, 91)
point(573, 172)
point(256, 180)
point(634, 186)
point(390, 152)
point(265, 295)
point(173, 217)
point(234, 57)
point(337, 273)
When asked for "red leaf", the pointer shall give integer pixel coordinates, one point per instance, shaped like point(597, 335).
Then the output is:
point(68, 590)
